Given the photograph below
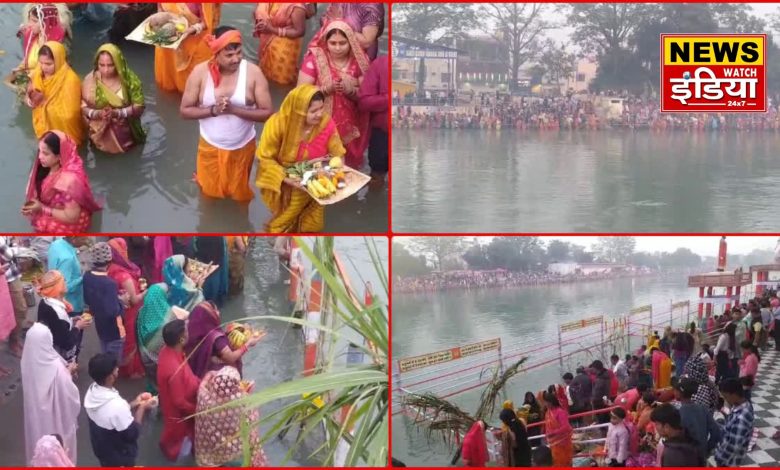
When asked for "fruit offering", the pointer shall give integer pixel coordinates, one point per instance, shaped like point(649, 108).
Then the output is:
point(164, 29)
point(86, 317)
point(238, 335)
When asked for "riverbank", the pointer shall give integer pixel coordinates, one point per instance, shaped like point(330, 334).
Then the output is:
point(478, 280)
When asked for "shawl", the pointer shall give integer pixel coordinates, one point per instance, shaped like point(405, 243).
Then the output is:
point(218, 440)
point(475, 446)
point(151, 318)
point(51, 399)
point(49, 453)
point(121, 260)
point(163, 249)
point(203, 331)
point(182, 291)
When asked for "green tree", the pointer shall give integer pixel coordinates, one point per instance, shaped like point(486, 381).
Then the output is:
point(604, 28)
point(516, 253)
point(476, 257)
point(615, 249)
point(519, 26)
point(429, 21)
point(558, 250)
point(580, 254)
point(437, 249)
point(406, 264)
point(558, 64)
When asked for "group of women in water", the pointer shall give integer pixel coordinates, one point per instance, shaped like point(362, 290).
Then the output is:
point(107, 106)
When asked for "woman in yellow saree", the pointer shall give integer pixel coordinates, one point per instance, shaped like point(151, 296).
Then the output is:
point(173, 66)
point(54, 94)
point(280, 27)
point(299, 131)
point(112, 101)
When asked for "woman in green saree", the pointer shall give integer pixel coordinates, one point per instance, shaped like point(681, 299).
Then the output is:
point(153, 316)
point(112, 102)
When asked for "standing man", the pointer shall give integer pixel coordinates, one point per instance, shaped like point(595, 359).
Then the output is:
point(372, 98)
point(735, 438)
point(14, 278)
point(228, 95)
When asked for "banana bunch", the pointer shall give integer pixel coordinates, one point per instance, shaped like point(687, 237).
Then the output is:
point(321, 187)
point(237, 337)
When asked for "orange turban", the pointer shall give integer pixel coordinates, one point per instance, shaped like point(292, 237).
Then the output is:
point(52, 285)
point(216, 44)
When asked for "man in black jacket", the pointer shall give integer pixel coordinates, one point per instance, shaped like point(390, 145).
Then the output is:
point(580, 390)
point(680, 450)
point(600, 390)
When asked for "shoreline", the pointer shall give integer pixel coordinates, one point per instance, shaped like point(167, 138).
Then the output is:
point(584, 279)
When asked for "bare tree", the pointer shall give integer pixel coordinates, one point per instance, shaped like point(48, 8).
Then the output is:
point(519, 26)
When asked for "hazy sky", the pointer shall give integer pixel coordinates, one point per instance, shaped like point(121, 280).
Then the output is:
point(704, 246)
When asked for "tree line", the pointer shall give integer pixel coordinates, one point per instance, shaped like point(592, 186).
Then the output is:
point(418, 256)
point(623, 37)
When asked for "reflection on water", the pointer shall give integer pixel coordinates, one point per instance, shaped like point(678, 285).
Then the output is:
point(424, 323)
point(610, 181)
point(151, 188)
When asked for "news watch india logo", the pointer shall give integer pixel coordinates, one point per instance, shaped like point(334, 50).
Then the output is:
point(713, 73)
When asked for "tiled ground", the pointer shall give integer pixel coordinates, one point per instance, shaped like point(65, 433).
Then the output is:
point(766, 404)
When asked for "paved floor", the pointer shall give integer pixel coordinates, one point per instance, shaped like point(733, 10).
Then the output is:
point(766, 405)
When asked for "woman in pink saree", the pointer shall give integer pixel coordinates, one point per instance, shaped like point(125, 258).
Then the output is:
point(7, 318)
point(126, 275)
point(51, 399)
point(59, 197)
point(49, 452)
point(367, 20)
point(336, 65)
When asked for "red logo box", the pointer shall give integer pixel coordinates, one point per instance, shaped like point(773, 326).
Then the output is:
point(724, 73)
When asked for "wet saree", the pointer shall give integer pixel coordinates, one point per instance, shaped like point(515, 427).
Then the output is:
point(114, 135)
point(152, 317)
point(61, 108)
point(120, 271)
point(281, 145)
point(69, 184)
point(279, 55)
point(351, 122)
point(559, 435)
point(173, 67)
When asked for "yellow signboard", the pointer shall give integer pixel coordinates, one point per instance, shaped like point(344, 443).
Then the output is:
point(638, 310)
point(440, 357)
point(576, 325)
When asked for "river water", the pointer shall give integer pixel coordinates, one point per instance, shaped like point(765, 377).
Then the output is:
point(528, 316)
point(150, 189)
point(605, 181)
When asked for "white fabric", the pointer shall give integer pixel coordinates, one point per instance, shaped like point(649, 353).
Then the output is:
point(227, 131)
point(51, 399)
point(107, 408)
point(59, 309)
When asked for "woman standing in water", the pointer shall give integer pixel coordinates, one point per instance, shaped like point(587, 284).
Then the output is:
point(59, 197)
point(54, 94)
point(113, 102)
point(301, 130)
point(172, 67)
point(280, 27)
point(337, 65)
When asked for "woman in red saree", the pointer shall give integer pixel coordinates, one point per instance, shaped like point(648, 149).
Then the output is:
point(44, 22)
point(126, 276)
point(59, 197)
point(557, 431)
point(336, 65)
point(475, 453)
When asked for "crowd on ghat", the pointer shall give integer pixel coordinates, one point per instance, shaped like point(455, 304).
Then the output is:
point(137, 309)
point(679, 400)
point(498, 278)
point(578, 112)
point(338, 106)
